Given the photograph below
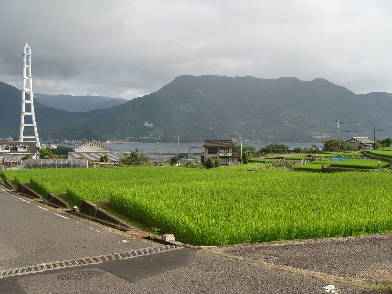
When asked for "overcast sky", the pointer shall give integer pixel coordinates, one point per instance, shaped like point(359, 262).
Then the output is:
point(127, 48)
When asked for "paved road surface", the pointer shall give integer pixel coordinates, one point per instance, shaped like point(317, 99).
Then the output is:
point(31, 234)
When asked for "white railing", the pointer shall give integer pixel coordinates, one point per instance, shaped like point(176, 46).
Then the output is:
point(225, 153)
point(54, 163)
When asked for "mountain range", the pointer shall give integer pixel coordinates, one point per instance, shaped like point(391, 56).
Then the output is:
point(217, 107)
point(78, 103)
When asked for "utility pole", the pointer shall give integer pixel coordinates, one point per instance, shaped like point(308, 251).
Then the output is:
point(49, 139)
point(178, 144)
point(374, 134)
point(241, 146)
point(338, 122)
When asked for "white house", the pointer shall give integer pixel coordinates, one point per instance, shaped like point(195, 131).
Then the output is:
point(222, 150)
point(93, 150)
point(14, 148)
point(92, 146)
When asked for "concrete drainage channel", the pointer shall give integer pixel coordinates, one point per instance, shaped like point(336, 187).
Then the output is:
point(78, 262)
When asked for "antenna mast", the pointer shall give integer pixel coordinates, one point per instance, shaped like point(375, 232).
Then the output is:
point(27, 105)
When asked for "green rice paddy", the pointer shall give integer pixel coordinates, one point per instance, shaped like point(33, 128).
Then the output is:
point(360, 163)
point(230, 205)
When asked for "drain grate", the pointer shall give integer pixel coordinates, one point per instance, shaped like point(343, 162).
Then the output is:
point(44, 267)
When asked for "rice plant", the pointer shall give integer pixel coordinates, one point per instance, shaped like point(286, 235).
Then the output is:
point(231, 205)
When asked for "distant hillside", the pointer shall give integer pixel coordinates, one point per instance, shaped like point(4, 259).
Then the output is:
point(78, 103)
point(284, 109)
point(195, 108)
point(10, 113)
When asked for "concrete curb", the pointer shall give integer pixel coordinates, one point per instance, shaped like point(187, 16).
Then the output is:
point(57, 201)
point(27, 191)
point(90, 209)
point(8, 185)
point(5, 186)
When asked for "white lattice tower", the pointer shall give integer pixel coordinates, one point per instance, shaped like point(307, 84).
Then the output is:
point(27, 105)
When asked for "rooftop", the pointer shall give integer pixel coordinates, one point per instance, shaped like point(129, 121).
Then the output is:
point(31, 146)
point(363, 140)
point(218, 143)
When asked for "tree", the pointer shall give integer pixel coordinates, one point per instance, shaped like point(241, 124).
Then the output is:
point(297, 150)
point(46, 154)
point(387, 142)
point(245, 158)
point(61, 150)
point(175, 159)
point(275, 148)
point(135, 158)
point(312, 149)
point(251, 150)
point(103, 158)
point(336, 145)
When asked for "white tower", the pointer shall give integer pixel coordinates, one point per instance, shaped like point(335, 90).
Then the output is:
point(27, 115)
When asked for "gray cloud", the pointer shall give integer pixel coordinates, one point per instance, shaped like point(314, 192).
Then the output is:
point(129, 48)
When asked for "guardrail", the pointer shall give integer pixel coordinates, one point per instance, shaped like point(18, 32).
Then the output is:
point(54, 163)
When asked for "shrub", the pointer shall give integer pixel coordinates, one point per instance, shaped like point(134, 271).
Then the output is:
point(135, 158)
point(211, 163)
point(336, 145)
point(175, 159)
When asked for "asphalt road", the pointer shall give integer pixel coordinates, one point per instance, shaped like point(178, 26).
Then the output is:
point(367, 258)
point(31, 233)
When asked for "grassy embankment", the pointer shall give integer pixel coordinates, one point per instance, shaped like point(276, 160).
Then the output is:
point(318, 165)
point(382, 153)
point(230, 205)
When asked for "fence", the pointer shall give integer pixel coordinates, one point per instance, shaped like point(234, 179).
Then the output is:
point(54, 163)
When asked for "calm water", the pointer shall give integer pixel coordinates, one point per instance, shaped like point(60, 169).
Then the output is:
point(184, 147)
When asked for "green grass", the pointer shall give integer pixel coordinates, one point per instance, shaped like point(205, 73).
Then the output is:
point(312, 167)
point(352, 154)
point(383, 153)
point(360, 163)
point(317, 165)
point(231, 205)
point(296, 157)
point(261, 160)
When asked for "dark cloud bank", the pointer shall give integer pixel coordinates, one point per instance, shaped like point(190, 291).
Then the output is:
point(129, 48)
